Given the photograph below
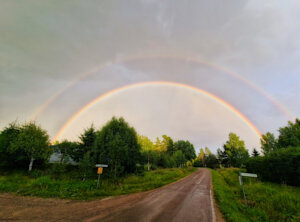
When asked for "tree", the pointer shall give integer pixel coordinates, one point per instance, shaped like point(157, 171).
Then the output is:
point(168, 144)
point(207, 151)
point(85, 165)
point(211, 161)
point(255, 153)
point(235, 150)
point(289, 136)
point(222, 157)
point(87, 139)
point(201, 157)
point(7, 136)
point(187, 149)
point(268, 143)
point(158, 146)
point(117, 145)
point(86, 144)
point(34, 142)
point(179, 158)
point(146, 146)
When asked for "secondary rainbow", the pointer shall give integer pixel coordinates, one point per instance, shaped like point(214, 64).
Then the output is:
point(243, 80)
point(160, 83)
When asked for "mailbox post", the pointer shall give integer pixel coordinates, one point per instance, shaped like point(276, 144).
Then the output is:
point(242, 184)
point(100, 171)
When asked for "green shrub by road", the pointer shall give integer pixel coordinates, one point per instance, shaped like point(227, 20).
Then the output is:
point(280, 166)
point(47, 186)
point(266, 201)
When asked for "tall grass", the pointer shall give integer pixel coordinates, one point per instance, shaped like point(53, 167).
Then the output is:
point(266, 201)
point(47, 186)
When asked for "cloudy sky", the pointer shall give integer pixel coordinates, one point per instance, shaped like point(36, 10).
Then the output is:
point(58, 56)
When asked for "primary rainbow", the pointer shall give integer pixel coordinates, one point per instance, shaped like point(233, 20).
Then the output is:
point(163, 83)
point(245, 81)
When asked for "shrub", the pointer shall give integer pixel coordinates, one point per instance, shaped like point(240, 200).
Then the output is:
point(281, 166)
point(57, 169)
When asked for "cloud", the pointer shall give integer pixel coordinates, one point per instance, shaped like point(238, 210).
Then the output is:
point(44, 46)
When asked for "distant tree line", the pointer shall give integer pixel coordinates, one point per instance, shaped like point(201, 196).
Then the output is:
point(116, 144)
point(278, 162)
point(233, 154)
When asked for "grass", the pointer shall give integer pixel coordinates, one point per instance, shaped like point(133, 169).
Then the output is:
point(266, 201)
point(47, 186)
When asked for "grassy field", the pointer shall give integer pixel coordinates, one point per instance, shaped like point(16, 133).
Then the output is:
point(266, 201)
point(47, 186)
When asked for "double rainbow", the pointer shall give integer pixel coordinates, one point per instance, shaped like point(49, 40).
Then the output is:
point(243, 80)
point(234, 75)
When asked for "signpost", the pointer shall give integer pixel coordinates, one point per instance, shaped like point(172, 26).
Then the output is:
point(100, 171)
point(242, 184)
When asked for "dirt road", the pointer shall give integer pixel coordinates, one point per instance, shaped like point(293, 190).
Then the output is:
point(189, 199)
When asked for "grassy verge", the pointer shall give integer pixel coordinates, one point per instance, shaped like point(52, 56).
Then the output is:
point(266, 201)
point(45, 186)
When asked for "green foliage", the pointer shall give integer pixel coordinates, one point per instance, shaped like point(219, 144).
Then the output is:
point(266, 201)
point(58, 169)
point(168, 144)
point(201, 157)
point(8, 156)
point(159, 146)
point(206, 159)
point(197, 163)
point(187, 149)
point(116, 145)
point(33, 141)
point(179, 158)
point(86, 166)
point(65, 187)
point(147, 149)
point(145, 143)
point(36, 173)
point(86, 144)
point(289, 136)
point(268, 143)
point(281, 166)
point(65, 149)
point(211, 161)
point(255, 153)
point(234, 153)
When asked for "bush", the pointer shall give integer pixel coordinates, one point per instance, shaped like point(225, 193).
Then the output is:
point(281, 166)
point(36, 173)
point(57, 169)
point(197, 163)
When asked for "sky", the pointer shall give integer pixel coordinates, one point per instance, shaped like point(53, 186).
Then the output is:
point(246, 53)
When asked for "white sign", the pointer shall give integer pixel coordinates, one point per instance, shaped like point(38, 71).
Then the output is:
point(101, 165)
point(248, 175)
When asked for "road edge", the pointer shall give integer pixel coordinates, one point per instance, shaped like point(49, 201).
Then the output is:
point(217, 215)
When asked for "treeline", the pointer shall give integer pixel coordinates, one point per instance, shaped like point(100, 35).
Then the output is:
point(233, 154)
point(281, 160)
point(116, 144)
